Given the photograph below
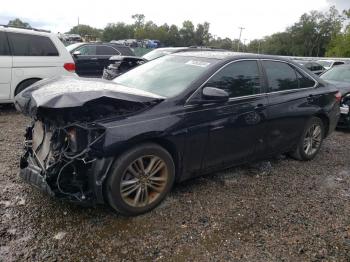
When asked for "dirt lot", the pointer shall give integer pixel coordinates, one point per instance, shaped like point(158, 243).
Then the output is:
point(283, 210)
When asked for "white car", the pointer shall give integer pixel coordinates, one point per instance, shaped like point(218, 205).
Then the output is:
point(328, 64)
point(29, 55)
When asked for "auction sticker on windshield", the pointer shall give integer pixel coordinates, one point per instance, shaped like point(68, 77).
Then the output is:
point(197, 63)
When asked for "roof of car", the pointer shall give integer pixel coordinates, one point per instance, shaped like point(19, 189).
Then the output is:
point(32, 31)
point(225, 55)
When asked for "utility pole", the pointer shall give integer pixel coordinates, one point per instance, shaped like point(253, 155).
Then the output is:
point(240, 35)
point(78, 26)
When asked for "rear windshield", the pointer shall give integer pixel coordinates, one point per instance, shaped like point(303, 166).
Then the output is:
point(167, 76)
point(158, 53)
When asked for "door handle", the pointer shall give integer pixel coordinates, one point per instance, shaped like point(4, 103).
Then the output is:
point(93, 58)
point(310, 98)
point(259, 107)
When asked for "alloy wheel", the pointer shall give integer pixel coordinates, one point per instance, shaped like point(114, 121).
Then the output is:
point(144, 180)
point(312, 140)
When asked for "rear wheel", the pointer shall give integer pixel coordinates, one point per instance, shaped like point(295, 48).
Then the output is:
point(25, 84)
point(310, 141)
point(140, 179)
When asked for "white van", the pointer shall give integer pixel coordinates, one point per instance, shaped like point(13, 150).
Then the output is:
point(29, 55)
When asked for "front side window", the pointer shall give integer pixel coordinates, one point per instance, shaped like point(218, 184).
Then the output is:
point(167, 76)
point(305, 81)
point(4, 47)
point(280, 76)
point(106, 50)
point(31, 45)
point(87, 50)
point(238, 79)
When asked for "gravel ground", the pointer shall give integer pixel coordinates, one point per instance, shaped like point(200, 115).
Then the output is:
point(282, 210)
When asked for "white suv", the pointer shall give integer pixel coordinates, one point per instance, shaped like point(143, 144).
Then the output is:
point(29, 55)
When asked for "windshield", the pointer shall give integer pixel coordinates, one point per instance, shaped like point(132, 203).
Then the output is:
point(325, 63)
point(158, 53)
point(339, 73)
point(167, 76)
point(70, 48)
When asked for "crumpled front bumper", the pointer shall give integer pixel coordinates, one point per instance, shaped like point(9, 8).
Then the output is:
point(32, 174)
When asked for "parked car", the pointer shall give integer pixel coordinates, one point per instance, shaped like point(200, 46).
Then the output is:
point(121, 64)
point(328, 64)
point(91, 58)
point(125, 142)
point(314, 67)
point(29, 55)
point(340, 77)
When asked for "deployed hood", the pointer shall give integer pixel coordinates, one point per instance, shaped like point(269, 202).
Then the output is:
point(74, 92)
point(343, 87)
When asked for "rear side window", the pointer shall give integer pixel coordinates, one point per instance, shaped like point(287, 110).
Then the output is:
point(280, 76)
point(106, 50)
point(338, 63)
point(31, 45)
point(4, 46)
point(238, 79)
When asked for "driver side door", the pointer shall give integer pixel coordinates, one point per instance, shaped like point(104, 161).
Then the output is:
point(236, 127)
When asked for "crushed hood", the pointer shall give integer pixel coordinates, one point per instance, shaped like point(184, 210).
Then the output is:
point(73, 92)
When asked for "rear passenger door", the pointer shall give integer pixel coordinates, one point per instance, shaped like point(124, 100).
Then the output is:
point(5, 68)
point(290, 104)
point(86, 62)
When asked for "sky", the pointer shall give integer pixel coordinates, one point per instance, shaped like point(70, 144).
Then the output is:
point(259, 17)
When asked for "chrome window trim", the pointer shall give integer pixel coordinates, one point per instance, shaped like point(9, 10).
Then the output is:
point(256, 95)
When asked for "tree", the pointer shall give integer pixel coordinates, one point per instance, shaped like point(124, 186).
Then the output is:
point(18, 23)
point(117, 31)
point(202, 35)
point(187, 33)
point(139, 20)
point(86, 30)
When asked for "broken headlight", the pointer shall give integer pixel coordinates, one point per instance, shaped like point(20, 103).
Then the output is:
point(80, 138)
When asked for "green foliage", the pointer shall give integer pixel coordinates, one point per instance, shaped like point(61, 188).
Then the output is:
point(340, 45)
point(310, 36)
point(86, 30)
point(18, 23)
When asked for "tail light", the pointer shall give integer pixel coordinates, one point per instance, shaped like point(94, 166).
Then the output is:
point(70, 67)
point(338, 96)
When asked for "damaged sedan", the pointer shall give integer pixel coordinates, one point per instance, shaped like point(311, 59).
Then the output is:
point(126, 142)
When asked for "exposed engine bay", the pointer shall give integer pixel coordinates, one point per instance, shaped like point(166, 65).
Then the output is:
point(64, 145)
point(64, 155)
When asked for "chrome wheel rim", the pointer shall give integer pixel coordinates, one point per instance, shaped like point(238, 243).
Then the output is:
point(143, 181)
point(312, 140)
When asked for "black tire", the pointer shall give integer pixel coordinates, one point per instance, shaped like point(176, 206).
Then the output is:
point(306, 154)
point(25, 84)
point(120, 169)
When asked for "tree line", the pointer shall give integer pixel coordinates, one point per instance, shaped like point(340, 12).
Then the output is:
point(315, 34)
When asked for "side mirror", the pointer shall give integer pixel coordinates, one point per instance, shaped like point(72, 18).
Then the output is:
point(213, 94)
point(76, 53)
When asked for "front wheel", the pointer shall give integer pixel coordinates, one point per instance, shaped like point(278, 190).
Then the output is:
point(310, 141)
point(140, 179)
